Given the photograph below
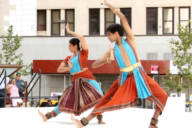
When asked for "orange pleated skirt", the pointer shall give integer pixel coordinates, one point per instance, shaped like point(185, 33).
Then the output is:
point(119, 97)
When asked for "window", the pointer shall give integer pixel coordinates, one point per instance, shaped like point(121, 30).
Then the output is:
point(127, 13)
point(55, 24)
point(167, 56)
point(94, 22)
point(168, 21)
point(70, 18)
point(41, 20)
point(151, 56)
point(152, 20)
point(184, 16)
point(109, 18)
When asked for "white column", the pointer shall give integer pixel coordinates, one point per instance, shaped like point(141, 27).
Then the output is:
point(160, 21)
point(102, 21)
point(65, 86)
point(82, 19)
point(48, 26)
point(139, 19)
point(62, 25)
point(191, 17)
point(45, 85)
point(70, 80)
point(117, 19)
point(176, 20)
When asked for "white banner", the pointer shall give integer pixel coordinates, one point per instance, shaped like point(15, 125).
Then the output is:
point(174, 69)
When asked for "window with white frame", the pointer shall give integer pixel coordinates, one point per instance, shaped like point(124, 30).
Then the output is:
point(168, 20)
point(152, 20)
point(109, 18)
point(70, 18)
point(41, 20)
point(94, 21)
point(184, 16)
point(55, 24)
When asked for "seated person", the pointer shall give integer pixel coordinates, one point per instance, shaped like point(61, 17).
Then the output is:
point(49, 104)
point(14, 92)
point(20, 84)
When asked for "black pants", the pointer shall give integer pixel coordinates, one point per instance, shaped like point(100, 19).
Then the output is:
point(21, 94)
point(21, 90)
point(2, 94)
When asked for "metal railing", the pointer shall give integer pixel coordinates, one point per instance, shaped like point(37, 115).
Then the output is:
point(39, 78)
point(4, 79)
point(27, 94)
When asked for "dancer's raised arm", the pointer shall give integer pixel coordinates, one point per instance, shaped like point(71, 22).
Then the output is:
point(125, 23)
point(81, 38)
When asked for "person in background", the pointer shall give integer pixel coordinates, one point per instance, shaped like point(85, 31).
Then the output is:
point(14, 92)
point(20, 84)
point(49, 103)
point(2, 89)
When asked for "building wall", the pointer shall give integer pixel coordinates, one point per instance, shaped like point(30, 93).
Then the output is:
point(53, 48)
point(138, 13)
point(5, 8)
point(22, 14)
point(56, 48)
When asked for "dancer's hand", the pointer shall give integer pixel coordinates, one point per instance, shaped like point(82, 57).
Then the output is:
point(105, 2)
point(70, 63)
point(67, 28)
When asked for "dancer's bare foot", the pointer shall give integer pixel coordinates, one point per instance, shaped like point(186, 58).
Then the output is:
point(42, 116)
point(152, 126)
point(77, 122)
point(101, 122)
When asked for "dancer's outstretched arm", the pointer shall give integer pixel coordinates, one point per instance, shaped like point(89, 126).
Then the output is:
point(102, 60)
point(125, 23)
point(81, 38)
point(106, 58)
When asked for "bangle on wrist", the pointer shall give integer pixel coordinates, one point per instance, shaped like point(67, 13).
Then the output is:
point(108, 61)
point(114, 10)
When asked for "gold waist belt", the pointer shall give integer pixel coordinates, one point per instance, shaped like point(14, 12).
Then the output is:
point(130, 68)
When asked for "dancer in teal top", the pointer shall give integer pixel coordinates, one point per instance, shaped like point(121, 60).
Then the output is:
point(84, 92)
point(133, 83)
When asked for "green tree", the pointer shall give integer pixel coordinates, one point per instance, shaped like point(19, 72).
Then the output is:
point(181, 50)
point(10, 46)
